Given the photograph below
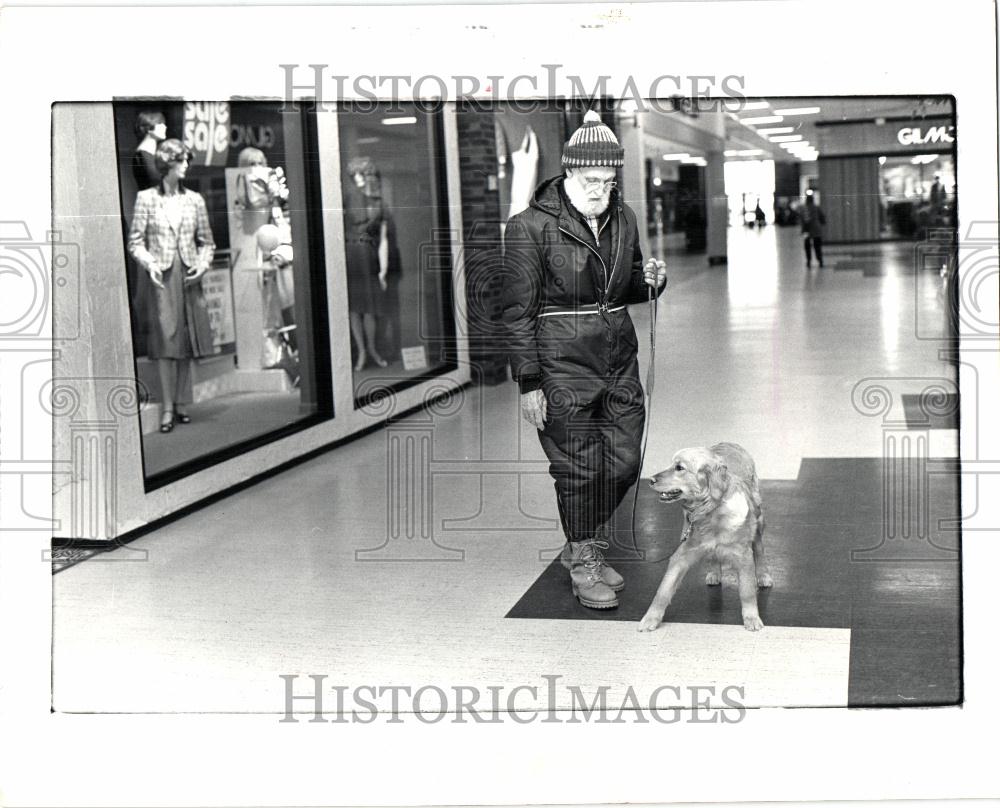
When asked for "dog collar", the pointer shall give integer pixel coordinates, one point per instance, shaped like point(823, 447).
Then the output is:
point(687, 529)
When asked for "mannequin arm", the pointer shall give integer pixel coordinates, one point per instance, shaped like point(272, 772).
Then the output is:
point(383, 250)
point(137, 234)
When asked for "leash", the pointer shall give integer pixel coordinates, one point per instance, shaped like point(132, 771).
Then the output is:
point(650, 378)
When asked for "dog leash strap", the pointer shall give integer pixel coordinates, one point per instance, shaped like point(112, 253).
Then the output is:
point(650, 379)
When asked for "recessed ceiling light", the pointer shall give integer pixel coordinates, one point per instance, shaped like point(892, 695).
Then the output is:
point(777, 130)
point(683, 156)
point(398, 121)
point(785, 138)
point(797, 111)
point(761, 119)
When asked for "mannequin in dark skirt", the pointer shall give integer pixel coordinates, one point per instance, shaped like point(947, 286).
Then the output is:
point(171, 239)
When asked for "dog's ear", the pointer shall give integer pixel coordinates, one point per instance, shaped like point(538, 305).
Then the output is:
point(718, 480)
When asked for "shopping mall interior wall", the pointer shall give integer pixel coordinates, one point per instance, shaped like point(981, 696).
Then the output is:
point(100, 491)
point(94, 394)
point(850, 198)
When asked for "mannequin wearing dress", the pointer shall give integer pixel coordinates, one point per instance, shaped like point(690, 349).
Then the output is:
point(367, 248)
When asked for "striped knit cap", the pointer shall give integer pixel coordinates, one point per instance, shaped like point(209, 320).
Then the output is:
point(593, 144)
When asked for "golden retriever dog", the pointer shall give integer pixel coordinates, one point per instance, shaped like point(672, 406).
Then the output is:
point(724, 523)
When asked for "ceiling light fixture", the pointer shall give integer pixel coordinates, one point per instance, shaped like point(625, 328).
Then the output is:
point(797, 111)
point(761, 119)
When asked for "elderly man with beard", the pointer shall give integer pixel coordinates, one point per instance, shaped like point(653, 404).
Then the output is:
point(572, 265)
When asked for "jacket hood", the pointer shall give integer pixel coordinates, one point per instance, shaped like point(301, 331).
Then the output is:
point(548, 199)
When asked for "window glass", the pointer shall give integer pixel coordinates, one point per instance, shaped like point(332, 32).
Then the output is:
point(225, 283)
point(397, 245)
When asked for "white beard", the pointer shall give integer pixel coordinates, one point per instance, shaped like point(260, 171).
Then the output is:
point(582, 202)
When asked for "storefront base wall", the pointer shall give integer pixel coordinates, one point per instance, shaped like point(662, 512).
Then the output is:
point(99, 490)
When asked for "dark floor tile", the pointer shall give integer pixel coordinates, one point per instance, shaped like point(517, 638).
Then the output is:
point(903, 668)
point(931, 413)
point(833, 567)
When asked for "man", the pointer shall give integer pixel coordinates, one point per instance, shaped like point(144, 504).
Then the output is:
point(813, 221)
point(572, 263)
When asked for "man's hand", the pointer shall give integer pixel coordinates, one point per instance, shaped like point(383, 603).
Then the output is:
point(534, 408)
point(655, 273)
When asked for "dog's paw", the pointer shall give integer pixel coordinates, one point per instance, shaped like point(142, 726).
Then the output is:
point(764, 580)
point(650, 622)
point(753, 623)
point(713, 579)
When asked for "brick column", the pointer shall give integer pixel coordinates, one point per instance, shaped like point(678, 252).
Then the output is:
point(481, 240)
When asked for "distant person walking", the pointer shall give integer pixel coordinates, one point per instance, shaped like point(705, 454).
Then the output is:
point(813, 222)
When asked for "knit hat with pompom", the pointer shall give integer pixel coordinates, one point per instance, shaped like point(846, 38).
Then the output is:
point(593, 144)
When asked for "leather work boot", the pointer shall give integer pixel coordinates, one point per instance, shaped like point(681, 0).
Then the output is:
point(585, 567)
point(608, 575)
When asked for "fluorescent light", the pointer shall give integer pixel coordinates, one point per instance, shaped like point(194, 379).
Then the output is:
point(398, 121)
point(785, 138)
point(683, 156)
point(694, 161)
point(778, 130)
point(742, 152)
point(762, 119)
point(797, 111)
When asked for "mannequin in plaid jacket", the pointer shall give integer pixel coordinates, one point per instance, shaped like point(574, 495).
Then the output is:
point(172, 240)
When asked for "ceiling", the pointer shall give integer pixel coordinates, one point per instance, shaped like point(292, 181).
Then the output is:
point(832, 108)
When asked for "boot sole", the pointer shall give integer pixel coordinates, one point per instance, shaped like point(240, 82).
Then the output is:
point(618, 588)
point(593, 604)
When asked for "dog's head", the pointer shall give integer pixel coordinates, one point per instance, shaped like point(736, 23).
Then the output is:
point(695, 476)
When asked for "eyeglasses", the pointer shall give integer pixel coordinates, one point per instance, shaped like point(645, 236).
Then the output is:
point(602, 185)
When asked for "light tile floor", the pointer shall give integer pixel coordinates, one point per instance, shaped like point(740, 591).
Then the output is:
point(270, 581)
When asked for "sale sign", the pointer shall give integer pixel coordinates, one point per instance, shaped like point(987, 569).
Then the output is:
point(206, 131)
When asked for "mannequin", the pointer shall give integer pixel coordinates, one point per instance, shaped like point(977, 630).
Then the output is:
point(367, 247)
point(171, 238)
point(151, 130)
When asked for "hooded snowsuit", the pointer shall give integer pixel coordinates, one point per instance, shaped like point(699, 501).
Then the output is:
point(565, 294)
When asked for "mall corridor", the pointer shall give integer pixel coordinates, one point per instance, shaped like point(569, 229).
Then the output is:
point(422, 553)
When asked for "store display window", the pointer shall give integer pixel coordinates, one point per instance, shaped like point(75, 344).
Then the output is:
point(397, 246)
point(225, 277)
point(917, 193)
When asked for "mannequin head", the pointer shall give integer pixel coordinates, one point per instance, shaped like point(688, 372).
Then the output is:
point(251, 156)
point(365, 175)
point(172, 159)
point(151, 124)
